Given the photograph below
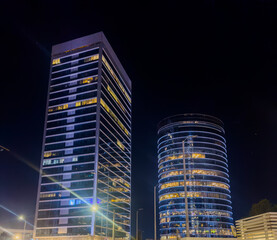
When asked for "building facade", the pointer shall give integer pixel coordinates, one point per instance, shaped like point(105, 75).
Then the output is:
point(85, 179)
point(259, 227)
point(198, 140)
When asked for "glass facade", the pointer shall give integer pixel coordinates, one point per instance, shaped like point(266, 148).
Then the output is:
point(207, 180)
point(86, 158)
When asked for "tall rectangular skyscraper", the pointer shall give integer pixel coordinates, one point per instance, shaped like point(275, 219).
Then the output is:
point(85, 181)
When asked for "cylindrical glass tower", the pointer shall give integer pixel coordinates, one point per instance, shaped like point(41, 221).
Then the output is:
point(207, 180)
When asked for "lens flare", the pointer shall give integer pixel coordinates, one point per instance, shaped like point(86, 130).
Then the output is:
point(92, 206)
point(6, 230)
point(13, 213)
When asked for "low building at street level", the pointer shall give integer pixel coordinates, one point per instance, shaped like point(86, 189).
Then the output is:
point(259, 227)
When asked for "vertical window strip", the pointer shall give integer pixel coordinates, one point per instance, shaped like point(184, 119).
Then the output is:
point(114, 117)
point(116, 78)
point(116, 98)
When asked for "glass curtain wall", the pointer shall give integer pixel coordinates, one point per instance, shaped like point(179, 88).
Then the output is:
point(207, 179)
point(114, 167)
point(87, 146)
point(66, 188)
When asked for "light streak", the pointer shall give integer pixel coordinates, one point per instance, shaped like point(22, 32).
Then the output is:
point(13, 213)
point(49, 177)
point(18, 157)
point(4, 148)
point(6, 230)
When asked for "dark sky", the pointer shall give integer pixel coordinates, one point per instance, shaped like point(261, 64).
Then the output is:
point(217, 58)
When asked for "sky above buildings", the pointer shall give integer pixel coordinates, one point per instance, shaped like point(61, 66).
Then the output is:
point(211, 57)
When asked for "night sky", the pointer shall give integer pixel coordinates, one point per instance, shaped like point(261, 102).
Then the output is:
point(214, 57)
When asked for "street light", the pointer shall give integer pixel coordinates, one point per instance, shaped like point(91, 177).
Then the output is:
point(140, 209)
point(185, 183)
point(21, 218)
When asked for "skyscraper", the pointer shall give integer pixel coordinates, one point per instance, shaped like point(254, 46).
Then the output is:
point(204, 194)
point(85, 182)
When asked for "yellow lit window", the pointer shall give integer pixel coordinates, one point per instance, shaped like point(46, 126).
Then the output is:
point(92, 58)
point(198, 155)
point(47, 195)
point(120, 145)
point(121, 181)
point(194, 171)
point(56, 61)
point(118, 189)
point(195, 183)
point(125, 200)
point(58, 108)
point(180, 156)
point(113, 116)
point(86, 102)
point(88, 80)
point(116, 78)
point(193, 194)
point(163, 220)
point(116, 98)
point(89, 101)
point(47, 154)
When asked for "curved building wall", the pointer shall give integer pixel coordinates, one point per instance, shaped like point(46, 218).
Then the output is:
point(207, 179)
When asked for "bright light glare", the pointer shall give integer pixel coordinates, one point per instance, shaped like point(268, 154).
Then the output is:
point(21, 218)
point(94, 208)
point(10, 211)
point(6, 230)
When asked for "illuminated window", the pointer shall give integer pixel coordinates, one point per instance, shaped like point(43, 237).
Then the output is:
point(193, 194)
point(125, 200)
point(50, 154)
point(114, 117)
point(116, 98)
point(198, 155)
point(120, 145)
point(118, 189)
point(195, 183)
point(48, 195)
point(56, 61)
point(196, 213)
point(116, 78)
point(92, 58)
point(194, 171)
point(88, 80)
point(58, 108)
point(163, 220)
point(86, 102)
point(120, 180)
point(52, 161)
point(180, 156)
point(89, 101)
